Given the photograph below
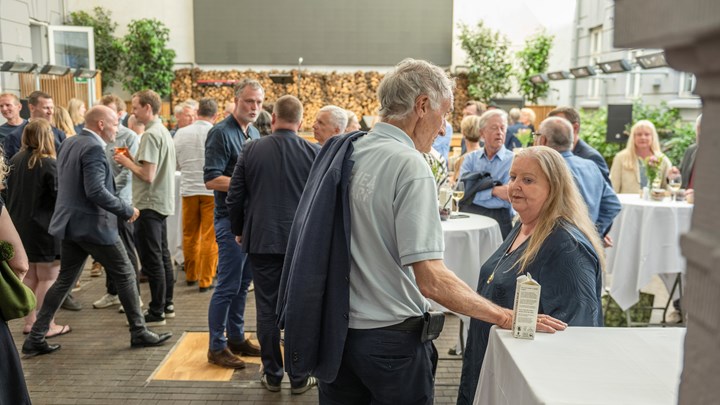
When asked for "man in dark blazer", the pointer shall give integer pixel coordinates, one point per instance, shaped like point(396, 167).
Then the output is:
point(85, 218)
point(264, 193)
point(687, 166)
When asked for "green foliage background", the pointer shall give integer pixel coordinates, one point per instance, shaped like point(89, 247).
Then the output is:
point(148, 63)
point(490, 61)
point(674, 133)
point(109, 51)
point(533, 60)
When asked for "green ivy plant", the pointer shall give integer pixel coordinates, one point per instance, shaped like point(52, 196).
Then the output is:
point(533, 60)
point(674, 133)
point(109, 51)
point(490, 61)
point(148, 63)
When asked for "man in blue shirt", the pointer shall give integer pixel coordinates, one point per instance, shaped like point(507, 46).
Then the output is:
point(494, 159)
point(10, 108)
point(603, 205)
point(41, 106)
point(581, 148)
point(442, 142)
point(223, 145)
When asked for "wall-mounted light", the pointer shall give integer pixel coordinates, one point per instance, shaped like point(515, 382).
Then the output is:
point(85, 73)
point(17, 67)
point(560, 75)
point(583, 71)
point(652, 61)
point(55, 70)
point(615, 66)
point(539, 79)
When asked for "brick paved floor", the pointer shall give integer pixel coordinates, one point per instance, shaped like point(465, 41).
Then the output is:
point(97, 366)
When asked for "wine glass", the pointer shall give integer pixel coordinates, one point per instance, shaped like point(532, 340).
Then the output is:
point(458, 194)
point(674, 181)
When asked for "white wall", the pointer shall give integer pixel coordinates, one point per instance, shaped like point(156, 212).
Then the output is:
point(518, 20)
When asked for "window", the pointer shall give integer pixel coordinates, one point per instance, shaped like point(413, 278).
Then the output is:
point(595, 54)
point(72, 46)
point(687, 85)
point(634, 77)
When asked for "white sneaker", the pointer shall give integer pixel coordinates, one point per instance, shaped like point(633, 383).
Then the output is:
point(122, 310)
point(107, 300)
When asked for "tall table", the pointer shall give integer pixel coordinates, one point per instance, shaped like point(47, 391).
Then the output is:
point(468, 243)
point(647, 243)
point(583, 366)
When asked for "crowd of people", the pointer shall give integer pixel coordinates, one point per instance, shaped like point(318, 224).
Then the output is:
point(341, 238)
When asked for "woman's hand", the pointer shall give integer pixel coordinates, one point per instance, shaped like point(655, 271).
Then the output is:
point(548, 324)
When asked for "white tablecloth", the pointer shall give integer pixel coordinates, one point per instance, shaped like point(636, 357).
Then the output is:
point(596, 366)
point(647, 243)
point(468, 244)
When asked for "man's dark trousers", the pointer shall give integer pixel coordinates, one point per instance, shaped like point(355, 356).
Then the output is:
point(116, 264)
point(152, 246)
point(383, 366)
point(266, 271)
point(126, 231)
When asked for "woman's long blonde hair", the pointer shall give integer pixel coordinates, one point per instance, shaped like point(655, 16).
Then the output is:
point(62, 121)
point(630, 147)
point(564, 205)
point(74, 109)
point(38, 138)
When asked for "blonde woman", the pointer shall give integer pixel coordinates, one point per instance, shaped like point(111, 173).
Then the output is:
point(554, 240)
point(627, 173)
point(62, 121)
point(32, 190)
point(77, 110)
point(470, 129)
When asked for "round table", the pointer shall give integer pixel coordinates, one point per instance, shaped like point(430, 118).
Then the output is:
point(468, 244)
point(646, 235)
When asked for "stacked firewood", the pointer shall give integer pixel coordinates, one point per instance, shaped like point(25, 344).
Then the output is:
point(353, 91)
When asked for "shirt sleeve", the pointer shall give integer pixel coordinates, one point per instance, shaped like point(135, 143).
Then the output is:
point(216, 155)
point(417, 219)
point(149, 150)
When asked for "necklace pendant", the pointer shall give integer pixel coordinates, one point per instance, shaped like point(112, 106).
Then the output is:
point(490, 279)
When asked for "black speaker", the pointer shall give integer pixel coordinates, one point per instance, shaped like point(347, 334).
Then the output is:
point(619, 117)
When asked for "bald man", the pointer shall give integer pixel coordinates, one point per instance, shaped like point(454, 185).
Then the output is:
point(85, 219)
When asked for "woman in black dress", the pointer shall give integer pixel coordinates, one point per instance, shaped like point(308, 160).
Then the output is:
point(13, 389)
point(31, 190)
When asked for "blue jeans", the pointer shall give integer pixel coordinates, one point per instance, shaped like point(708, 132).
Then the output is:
point(227, 305)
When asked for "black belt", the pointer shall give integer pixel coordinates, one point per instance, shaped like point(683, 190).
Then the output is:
point(409, 325)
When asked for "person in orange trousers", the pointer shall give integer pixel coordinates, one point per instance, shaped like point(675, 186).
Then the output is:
point(199, 245)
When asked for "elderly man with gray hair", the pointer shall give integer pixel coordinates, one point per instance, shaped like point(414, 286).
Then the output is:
point(603, 204)
point(331, 120)
point(495, 160)
point(370, 211)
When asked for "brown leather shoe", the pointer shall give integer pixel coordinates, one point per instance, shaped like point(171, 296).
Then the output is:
point(225, 358)
point(246, 348)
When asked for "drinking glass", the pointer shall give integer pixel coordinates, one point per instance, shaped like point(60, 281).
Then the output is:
point(674, 181)
point(458, 194)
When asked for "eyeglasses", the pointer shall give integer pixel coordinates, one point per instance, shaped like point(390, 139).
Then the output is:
point(536, 135)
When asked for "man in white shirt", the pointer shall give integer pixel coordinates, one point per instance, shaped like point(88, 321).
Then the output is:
point(199, 246)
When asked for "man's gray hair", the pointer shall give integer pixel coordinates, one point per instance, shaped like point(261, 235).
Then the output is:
point(338, 117)
point(253, 84)
point(559, 133)
point(411, 78)
point(485, 117)
point(181, 106)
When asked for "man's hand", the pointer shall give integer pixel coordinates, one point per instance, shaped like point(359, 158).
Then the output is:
point(238, 239)
point(608, 242)
point(501, 192)
point(136, 214)
point(123, 160)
